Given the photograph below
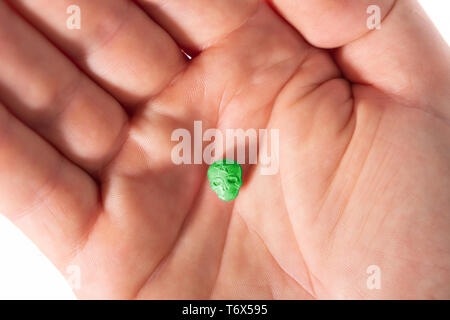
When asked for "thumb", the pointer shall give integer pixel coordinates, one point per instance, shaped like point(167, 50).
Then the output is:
point(406, 58)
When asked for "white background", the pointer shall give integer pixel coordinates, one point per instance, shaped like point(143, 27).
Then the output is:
point(25, 273)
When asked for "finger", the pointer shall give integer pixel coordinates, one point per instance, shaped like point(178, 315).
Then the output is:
point(52, 201)
point(48, 93)
point(117, 44)
point(406, 58)
point(329, 23)
point(196, 24)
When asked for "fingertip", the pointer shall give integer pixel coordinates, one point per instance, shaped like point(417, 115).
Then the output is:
point(331, 24)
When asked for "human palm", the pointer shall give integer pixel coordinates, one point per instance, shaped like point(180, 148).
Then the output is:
point(364, 161)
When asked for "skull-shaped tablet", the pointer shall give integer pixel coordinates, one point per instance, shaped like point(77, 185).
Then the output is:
point(225, 177)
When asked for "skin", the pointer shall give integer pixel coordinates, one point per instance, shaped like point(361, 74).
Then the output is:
point(86, 118)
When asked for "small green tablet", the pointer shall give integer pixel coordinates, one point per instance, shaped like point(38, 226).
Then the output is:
point(225, 177)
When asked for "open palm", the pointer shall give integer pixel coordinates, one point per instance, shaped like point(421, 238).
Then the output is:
point(364, 158)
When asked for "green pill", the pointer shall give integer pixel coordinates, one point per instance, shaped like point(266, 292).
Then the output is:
point(225, 177)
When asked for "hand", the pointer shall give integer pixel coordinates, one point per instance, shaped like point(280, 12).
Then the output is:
point(364, 171)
